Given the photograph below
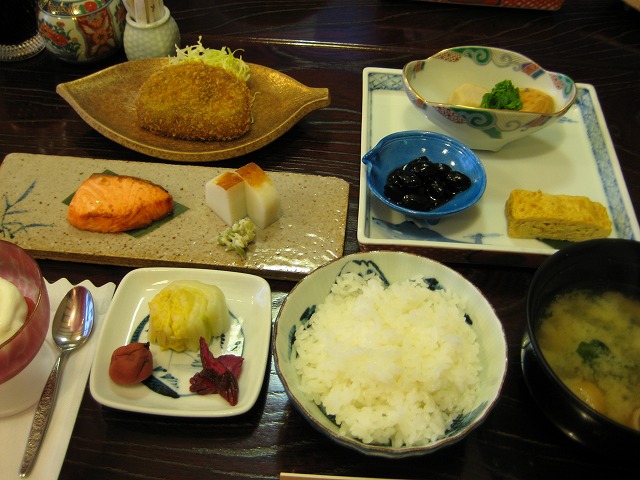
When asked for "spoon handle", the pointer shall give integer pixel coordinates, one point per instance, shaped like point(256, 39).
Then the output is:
point(42, 416)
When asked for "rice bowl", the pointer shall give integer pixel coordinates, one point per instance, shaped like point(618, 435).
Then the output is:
point(405, 381)
point(390, 353)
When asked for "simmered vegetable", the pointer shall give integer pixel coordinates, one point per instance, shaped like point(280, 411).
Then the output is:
point(504, 96)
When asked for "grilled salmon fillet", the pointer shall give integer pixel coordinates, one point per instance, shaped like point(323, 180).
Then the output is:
point(117, 203)
point(194, 101)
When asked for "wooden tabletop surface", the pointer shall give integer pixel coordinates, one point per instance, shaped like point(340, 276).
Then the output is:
point(327, 44)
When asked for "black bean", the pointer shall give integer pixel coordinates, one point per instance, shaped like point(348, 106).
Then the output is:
point(438, 189)
point(404, 180)
point(422, 167)
point(417, 201)
point(423, 185)
point(457, 181)
point(442, 168)
point(393, 193)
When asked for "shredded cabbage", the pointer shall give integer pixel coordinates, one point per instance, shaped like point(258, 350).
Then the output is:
point(225, 58)
point(184, 311)
point(238, 236)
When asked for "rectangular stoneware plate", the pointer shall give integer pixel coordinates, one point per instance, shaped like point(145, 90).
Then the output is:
point(34, 189)
point(574, 156)
point(248, 299)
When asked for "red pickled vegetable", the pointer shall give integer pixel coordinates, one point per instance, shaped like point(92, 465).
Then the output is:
point(218, 375)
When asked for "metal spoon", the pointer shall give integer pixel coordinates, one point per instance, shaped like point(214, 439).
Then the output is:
point(71, 326)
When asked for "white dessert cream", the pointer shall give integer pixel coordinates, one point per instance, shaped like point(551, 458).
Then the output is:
point(13, 310)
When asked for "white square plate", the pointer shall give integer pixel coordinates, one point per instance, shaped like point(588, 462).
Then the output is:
point(249, 301)
point(574, 156)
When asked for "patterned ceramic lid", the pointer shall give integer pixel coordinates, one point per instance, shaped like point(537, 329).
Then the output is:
point(72, 7)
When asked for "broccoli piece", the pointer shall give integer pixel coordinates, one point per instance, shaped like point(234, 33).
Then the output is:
point(504, 96)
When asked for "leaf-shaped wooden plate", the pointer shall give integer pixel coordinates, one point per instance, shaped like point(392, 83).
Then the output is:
point(105, 100)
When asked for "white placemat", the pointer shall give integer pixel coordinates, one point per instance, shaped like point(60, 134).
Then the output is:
point(14, 430)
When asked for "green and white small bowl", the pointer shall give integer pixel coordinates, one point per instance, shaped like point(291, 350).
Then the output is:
point(393, 267)
point(429, 84)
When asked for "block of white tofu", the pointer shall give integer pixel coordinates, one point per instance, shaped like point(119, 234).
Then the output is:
point(225, 195)
point(468, 95)
point(263, 200)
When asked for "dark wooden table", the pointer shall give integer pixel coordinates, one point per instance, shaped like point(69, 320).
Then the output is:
point(327, 44)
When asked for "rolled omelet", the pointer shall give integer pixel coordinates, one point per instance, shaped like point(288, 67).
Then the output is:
point(534, 214)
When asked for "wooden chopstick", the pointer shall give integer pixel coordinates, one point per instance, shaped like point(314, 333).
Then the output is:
point(303, 476)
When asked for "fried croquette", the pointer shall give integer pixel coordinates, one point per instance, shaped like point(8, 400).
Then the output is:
point(194, 101)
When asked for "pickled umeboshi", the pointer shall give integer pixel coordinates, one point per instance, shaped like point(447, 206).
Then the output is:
point(131, 364)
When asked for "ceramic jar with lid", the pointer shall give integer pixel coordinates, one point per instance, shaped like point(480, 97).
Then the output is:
point(82, 30)
point(156, 39)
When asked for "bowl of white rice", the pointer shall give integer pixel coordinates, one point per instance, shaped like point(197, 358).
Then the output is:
point(390, 353)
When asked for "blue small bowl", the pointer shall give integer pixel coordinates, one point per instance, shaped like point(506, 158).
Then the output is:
point(398, 149)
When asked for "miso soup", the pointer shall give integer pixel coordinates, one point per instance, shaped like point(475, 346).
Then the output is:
point(591, 340)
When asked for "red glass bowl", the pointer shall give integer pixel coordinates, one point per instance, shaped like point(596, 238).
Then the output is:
point(22, 270)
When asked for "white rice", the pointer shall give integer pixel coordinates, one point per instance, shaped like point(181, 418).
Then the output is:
point(394, 365)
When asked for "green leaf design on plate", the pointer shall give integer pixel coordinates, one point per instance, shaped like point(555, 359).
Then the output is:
point(11, 227)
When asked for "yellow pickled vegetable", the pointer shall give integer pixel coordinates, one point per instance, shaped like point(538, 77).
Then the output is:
point(184, 311)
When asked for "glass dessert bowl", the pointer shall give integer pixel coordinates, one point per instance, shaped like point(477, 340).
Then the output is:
point(21, 341)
